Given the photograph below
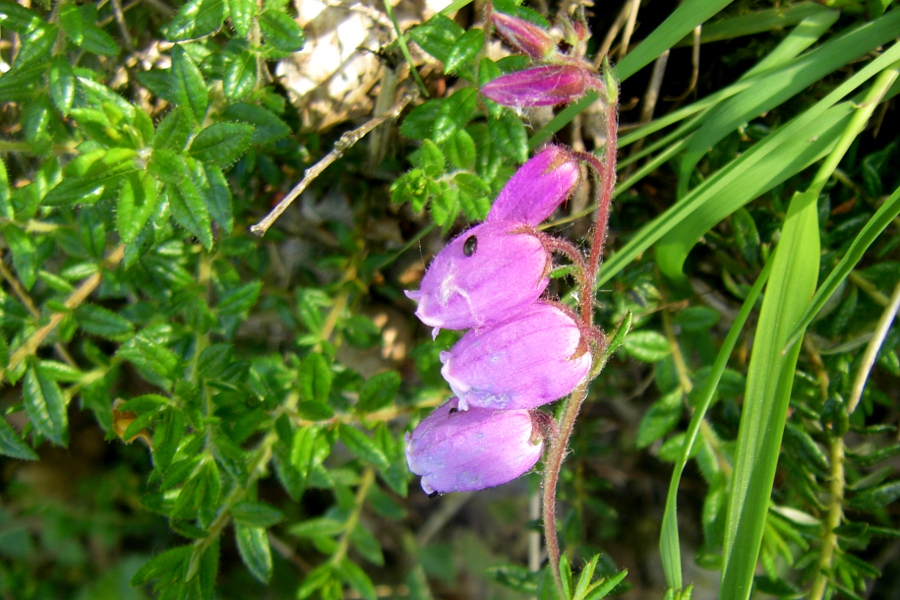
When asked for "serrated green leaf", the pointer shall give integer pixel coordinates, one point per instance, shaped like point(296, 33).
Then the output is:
point(196, 19)
point(660, 419)
point(213, 186)
point(437, 36)
point(21, 247)
point(187, 84)
point(138, 200)
point(98, 41)
point(281, 31)
point(356, 578)
point(267, 127)
point(6, 207)
point(242, 13)
point(464, 51)
point(509, 135)
point(36, 44)
point(12, 444)
point(378, 392)
point(429, 159)
point(444, 203)
point(363, 447)
point(240, 299)
point(696, 318)
point(314, 378)
point(875, 498)
point(72, 22)
point(253, 546)
point(18, 18)
point(173, 131)
point(221, 143)
point(62, 83)
point(4, 352)
point(240, 78)
point(454, 113)
point(101, 321)
point(256, 514)
point(59, 371)
point(166, 565)
point(87, 190)
point(45, 406)
point(647, 346)
point(318, 527)
point(166, 437)
point(314, 411)
point(189, 210)
point(419, 123)
point(460, 149)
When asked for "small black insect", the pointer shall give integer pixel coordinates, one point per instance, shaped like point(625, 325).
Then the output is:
point(453, 410)
point(470, 245)
point(434, 494)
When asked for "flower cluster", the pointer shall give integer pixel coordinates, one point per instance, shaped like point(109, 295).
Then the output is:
point(520, 352)
point(557, 78)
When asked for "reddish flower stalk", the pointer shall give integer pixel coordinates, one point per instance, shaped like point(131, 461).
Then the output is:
point(558, 443)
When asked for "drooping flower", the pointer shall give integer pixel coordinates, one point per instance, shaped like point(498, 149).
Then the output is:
point(537, 188)
point(458, 451)
point(485, 274)
point(524, 36)
point(534, 357)
point(546, 85)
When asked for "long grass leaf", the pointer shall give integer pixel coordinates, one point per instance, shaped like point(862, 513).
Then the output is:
point(769, 381)
point(779, 86)
point(682, 21)
point(759, 169)
point(757, 22)
point(870, 232)
point(708, 210)
point(770, 375)
point(669, 545)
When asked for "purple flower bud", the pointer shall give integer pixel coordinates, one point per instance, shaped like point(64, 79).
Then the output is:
point(535, 357)
point(541, 86)
point(487, 273)
point(459, 451)
point(524, 36)
point(537, 188)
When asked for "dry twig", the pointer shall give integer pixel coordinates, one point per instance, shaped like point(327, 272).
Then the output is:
point(346, 141)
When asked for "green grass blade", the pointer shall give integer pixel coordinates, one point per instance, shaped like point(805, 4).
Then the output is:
point(404, 49)
point(669, 544)
point(779, 86)
point(804, 35)
point(873, 228)
point(770, 376)
point(686, 17)
point(757, 169)
point(743, 179)
point(800, 38)
point(769, 381)
point(757, 22)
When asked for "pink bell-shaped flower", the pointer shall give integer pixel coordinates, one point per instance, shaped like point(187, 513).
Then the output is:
point(537, 188)
point(482, 276)
point(534, 357)
point(524, 36)
point(459, 451)
point(547, 85)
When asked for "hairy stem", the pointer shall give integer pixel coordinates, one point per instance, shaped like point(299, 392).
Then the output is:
point(607, 185)
point(552, 466)
point(560, 442)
